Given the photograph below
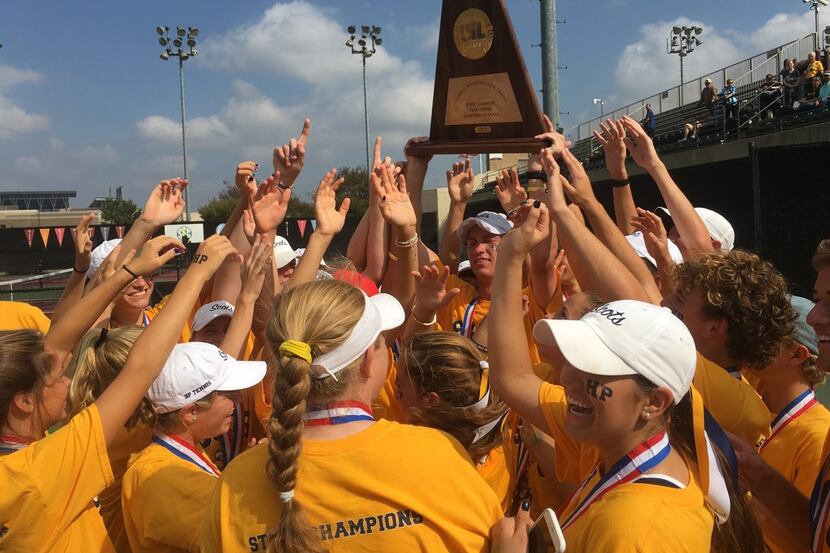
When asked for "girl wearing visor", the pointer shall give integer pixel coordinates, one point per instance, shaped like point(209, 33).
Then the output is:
point(625, 399)
point(331, 476)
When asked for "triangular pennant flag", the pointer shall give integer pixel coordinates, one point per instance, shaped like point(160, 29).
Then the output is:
point(119, 231)
point(44, 235)
point(314, 224)
point(30, 235)
point(59, 233)
point(301, 223)
point(105, 232)
point(73, 231)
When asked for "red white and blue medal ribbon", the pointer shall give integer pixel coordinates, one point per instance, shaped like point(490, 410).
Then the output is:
point(9, 444)
point(146, 319)
point(792, 411)
point(338, 412)
point(184, 450)
point(639, 460)
point(467, 321)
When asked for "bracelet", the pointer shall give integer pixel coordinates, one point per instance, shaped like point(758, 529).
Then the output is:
point(422, 323)
point(132, 274)
point(283, 186)
point(407, 243)
point(78, 271)
point(393, 257)
point(620, 183)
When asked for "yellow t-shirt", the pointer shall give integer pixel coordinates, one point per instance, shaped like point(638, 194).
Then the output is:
point(795, 452)
point(17, 315)
point(390, 487)
point(633, 516)
point(164, 499)
point(451, 316)
point(386, 405)
point(733, 402)
point(125, 444)
point(498, 476)
point(48, 487)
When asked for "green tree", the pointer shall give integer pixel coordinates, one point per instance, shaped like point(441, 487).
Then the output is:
point(356, 187)
point(119, 212)
point(220, 207)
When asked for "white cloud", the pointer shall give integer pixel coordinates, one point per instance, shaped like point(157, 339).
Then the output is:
point(168, 166)
point(97, 154)
point(201, 131)
point(29, 165)
point(11, 76)
point(14, 119)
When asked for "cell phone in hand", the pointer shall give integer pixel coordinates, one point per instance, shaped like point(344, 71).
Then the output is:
point(545, 536)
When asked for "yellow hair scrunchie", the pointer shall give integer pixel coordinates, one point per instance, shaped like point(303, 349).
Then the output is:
point(295, 348)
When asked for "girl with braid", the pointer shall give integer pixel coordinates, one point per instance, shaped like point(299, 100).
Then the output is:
point(331, 476)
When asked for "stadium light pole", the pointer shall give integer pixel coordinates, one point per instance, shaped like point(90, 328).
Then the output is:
point(683, 41)
point(601, 102)
point(815, 5)
point(184, 37)
point(366, 46)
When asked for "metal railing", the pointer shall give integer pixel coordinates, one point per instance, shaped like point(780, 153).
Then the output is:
point(37, 278)
point(748, 71)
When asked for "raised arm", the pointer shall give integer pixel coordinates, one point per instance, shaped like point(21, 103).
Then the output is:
point(83, 257)
point(611, 139)
point(595, 267)
point(460, 181)
point(150, 352)
point(330, 221)
point(580, 191)
point(657, 245)
point(430, 296)
point(377, 235)
point(690, 227)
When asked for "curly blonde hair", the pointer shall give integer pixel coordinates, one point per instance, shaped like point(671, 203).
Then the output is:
point(750, 294)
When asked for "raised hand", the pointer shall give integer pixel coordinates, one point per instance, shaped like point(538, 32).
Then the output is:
point(165, 203)
point(416, 159)
point(289, 158)
point(611, 139)
point(509, 190)
point(253, 272)
point(154, 254)
point(245, 181)
point(534, 228)
point(108, 268)
point(654, 233)
point(579, 188)
point(556, 194)
point(639, 144)
point(570, 285)
point(460, 181)
point(269, 204)
point(210, 255)
point(557, 141)
point(248, 225)
point(83, 243)
point(430, 288)
point(330, 220)
point(395, 205)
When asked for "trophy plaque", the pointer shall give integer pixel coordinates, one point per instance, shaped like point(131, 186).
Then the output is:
point(483, 101)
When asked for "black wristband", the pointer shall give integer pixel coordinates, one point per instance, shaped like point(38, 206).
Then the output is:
point(131, 273)
point(620, 183)
point(77, 271)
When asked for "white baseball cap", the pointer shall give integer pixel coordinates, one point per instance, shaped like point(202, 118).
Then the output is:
point(283, 252)
point(381, 312)
point(490, 221)
point(719, 228)
point(638, 242)
point(100, 253)
point(301, 252)
point(626, 337)
point(210, 311)
point(194, 370)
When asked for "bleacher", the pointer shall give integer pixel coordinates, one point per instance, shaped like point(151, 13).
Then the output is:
point(670, 117)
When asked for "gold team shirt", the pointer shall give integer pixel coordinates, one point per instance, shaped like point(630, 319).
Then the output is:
point(386, 405)
point(187, 331)
point(633, 516)
point(48, 487)
point(822, 536)
point(421, 494)
point(18, 315)
point(451, 316)
point(125, 444)
point(795, 452)
point(732, 402)
point(164, 499)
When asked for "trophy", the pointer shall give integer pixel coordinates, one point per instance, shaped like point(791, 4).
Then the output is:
point(483, 101)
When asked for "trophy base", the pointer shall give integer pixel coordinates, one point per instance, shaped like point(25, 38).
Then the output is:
point(479, 146)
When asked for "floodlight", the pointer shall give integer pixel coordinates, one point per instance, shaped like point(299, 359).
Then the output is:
point(379, 41)
point(375, 30)
point(163, 40)
point(699, 30)
point(165, 55)
point(676, 30)
point(351, 29)
point(193, 31)
point(674, 42)
point(161, 30)
point(597, 101)
point(698, 42)
point(191, 42)
point(361, 42)
point(193, 52)
point(823, 2)
point(180, 31)
point(183, 55)
point(365, 29)
point(177, 42)
point(350, 43)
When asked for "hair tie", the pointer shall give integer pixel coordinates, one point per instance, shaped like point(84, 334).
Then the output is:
point(296, 348)
point(483, 365)
point(101, 337)
point(286, 497)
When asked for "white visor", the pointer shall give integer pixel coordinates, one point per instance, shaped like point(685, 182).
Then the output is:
point(382, 312)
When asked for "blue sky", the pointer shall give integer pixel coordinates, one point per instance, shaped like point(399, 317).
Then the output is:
point(86, 103)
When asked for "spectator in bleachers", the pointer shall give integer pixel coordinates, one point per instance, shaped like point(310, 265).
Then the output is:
point(770, 98)
point(790, 78)
point(813, 69)
point(810, 100)
point(649, 122)
point(729, 97)
point(690, 130)
point(824, 91)
point(708, 97)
